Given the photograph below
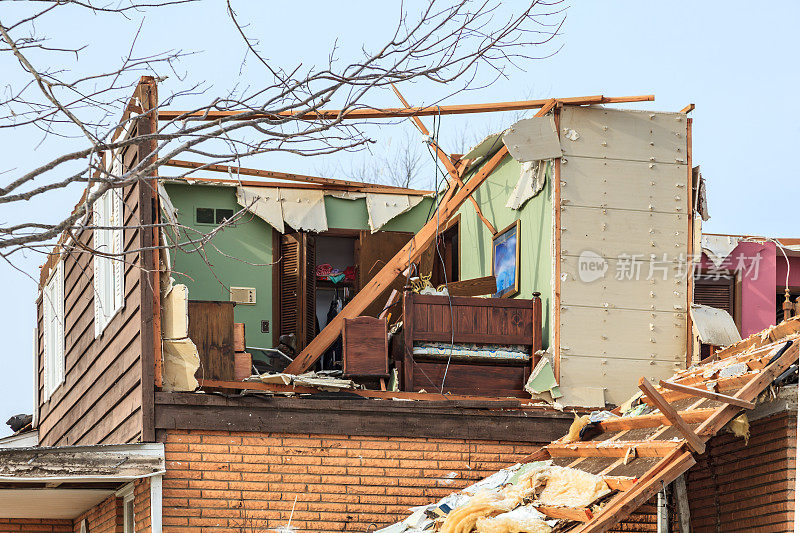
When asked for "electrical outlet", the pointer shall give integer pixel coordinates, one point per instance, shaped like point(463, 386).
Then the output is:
point(265, 326)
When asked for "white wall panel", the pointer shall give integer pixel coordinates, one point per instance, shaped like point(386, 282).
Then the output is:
point(620, 134)
point(647, 186)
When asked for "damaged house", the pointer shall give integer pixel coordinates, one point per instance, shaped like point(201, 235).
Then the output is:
point(338, 351)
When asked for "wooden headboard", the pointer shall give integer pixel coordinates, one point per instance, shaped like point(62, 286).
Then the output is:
point(501, 321)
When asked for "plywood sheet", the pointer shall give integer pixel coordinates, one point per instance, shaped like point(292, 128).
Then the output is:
point(622, 333)
point(618, 376)
point(622, 134)
point(661, 287)
point(613, 232)
point(638, 185)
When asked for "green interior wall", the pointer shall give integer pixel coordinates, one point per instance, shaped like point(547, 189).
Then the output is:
point(245, 249)
point(248, 247)
point(536, 230)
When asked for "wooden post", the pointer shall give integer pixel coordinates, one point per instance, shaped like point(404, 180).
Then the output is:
point(694, 442)
point(408, 342)
point(537, 328)
point(787, 305)
point(682, 501)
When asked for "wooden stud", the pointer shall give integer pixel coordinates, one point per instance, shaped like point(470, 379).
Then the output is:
point(557, 258)
point(643, 448)
point(688, 109)
point(447, 161)
point(694, 442)
point(704, 393)
point(425, 111)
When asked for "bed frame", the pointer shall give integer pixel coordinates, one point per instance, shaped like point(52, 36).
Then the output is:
point(476, 320)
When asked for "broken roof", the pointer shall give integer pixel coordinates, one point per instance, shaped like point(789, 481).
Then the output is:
point(635, 454)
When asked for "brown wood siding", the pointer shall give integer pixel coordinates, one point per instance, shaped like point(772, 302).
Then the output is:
point(101, 399)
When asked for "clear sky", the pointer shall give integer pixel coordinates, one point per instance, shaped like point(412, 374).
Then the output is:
point(743, 81)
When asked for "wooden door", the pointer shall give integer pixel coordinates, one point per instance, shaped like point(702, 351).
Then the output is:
point(297, 287)
point(374, 251)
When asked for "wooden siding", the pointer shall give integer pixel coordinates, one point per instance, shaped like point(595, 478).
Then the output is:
point(107, 393)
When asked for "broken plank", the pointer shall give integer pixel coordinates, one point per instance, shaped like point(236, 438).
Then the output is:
point(643, 448)
point(693, 416)
point(694, 442)
point(749, 392)
point(473, 287)
point(621, 483)
point(578, 514)
point(703, 393)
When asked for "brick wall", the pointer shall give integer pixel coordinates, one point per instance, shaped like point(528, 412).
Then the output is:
point(738, 487)
point(141, 505)
point(34, 525)
point(234, 481)
point(105, 517)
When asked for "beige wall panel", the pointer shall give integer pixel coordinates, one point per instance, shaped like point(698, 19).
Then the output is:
point(623, 333)
point(619, 377)
point(624, 184)
point(611, 232)
point(662, 287)
point(620, 134)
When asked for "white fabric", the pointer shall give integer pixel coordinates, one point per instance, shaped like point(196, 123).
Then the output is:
point(532, 177)
point(382, 208)
point(718, 247)
point(304, 209)
point(264, 203)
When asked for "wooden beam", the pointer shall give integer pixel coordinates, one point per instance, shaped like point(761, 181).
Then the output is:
point(705, 393)
point(270, 174)
point(688, 109)
point(694, 442)
point(644, 448)
point(424, 111)
point(456, 400)
point(693, 416)
point(446, 161)
point(453, 199)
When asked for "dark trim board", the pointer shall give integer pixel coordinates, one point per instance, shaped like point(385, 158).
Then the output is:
point(362, 417)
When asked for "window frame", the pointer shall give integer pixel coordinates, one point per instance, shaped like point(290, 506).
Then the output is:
point(53, 331)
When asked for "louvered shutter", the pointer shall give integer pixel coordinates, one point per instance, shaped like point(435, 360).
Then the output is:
point(715, 293)
point(309, 281)
point(298, 287)
point(117, 219)
point(290, 285)
point(99, 244)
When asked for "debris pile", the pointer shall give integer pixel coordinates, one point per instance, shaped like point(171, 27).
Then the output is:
point(533, 497)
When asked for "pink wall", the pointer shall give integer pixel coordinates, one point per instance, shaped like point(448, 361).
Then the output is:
point(780, 271)
point(759, 274)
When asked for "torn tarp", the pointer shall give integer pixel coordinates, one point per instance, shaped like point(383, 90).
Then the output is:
point(304, 209)
point(382, 208)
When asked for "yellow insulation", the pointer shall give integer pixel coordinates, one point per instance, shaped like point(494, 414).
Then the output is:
point(570, 487)
point(520, 520)
point(575, 429)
